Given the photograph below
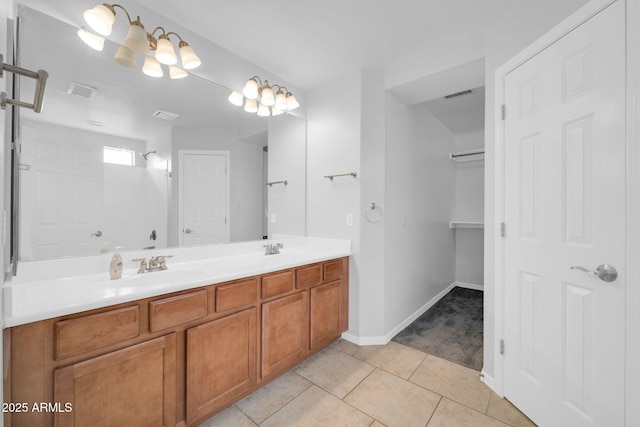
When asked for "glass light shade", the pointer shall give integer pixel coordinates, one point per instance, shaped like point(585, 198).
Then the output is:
point(281, 101)
point(164, 52)
point(100, 19)
point(263, 110)
point(251, 106)
point(250, 89)
point(94, 41)
point(152, 67)
point(136, 39)
point(275, 111)
point(292, 102)
point(236, 98)
point(177, 73)
point(189, 58)
point(125, 57)
point(267, 96)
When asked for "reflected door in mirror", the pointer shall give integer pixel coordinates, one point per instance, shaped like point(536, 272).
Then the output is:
point(204, 197)
point(62, 197)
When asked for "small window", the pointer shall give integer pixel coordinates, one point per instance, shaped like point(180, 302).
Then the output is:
point(119, 156)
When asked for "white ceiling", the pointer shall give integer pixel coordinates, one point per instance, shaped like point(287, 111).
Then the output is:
point(306, 43)
point(311, 43)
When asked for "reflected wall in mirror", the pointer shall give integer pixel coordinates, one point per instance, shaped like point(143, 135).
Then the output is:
point(100, 169)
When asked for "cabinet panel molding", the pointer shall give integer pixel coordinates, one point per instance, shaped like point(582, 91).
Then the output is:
point(83, 334)
point(133, 386)
point(178, 309)
point(221, 362)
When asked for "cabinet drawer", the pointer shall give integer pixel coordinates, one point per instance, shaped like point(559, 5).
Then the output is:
point(173, 311)
point(276, 284)
point(332, 270)
point(83, 334)
point(237, 294)
point(308, 276)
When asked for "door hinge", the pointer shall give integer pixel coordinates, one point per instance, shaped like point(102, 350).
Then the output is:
point(225, 220)
point(501, 346)
point(503, 229)
point(503, 111)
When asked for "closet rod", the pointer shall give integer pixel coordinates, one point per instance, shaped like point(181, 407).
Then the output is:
point(475, 153)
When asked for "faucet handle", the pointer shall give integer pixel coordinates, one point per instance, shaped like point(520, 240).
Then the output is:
point(143, 264)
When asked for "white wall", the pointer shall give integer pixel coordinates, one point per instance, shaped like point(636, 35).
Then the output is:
point(287, 161)
point(519, 26)
point(469, 206)
point(245, 175)
point(420, 186)
point(404, 260)
point(158, 189)
point(333, 147)
point(372, 190)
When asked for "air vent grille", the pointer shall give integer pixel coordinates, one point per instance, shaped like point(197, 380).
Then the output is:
point(165, 115)
point(83, 91)
point(455, 95)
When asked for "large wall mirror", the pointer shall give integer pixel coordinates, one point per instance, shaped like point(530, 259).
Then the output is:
point(118, 158)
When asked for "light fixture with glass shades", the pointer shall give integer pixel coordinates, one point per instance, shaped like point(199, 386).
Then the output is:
point(138, 41)
point(260, 98)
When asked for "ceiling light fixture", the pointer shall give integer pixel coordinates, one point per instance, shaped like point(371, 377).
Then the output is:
point(260, 98)
point(101, 19)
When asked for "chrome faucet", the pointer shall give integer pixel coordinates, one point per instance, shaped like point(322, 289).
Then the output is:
point(156, 263)
point(272, 248)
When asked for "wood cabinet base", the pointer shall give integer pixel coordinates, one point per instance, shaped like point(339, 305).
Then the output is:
point(175, 359)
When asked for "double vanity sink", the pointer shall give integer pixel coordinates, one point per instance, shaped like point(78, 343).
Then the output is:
point(171, 347)
point(45, 289)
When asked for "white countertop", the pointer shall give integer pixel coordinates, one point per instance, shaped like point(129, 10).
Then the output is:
point(44, 289)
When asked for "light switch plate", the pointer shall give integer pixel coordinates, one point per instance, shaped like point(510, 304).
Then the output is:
point(349, 219)
point(273, 218)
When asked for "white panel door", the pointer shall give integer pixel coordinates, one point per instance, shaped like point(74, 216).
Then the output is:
point(62, 197)
point(204, 198)
point(565, 206)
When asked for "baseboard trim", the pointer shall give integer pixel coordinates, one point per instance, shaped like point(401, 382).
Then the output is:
point(469, 286)
point(382, 340)
point(362, 341)
point(490, 382)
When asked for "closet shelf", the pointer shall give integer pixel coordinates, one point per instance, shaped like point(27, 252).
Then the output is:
point(466, 224)
point(467, 156)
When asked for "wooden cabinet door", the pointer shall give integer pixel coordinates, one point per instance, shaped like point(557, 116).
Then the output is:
point(326, 324)
point(285, 332)
point(221, 362)
point(135, 386)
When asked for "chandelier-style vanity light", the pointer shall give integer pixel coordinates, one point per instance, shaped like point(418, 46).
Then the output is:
point(261, 99)
point(101, 19)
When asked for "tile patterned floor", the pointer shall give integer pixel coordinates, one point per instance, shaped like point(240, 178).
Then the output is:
point(374, 386)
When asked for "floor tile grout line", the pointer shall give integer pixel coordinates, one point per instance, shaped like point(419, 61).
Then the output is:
point(357, 385)
point(286, 404)
point(434, 411)
point(445, 396)
point(288, 401)
point(358, 409)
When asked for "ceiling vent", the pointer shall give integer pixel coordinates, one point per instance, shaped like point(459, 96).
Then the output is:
point(455, 95)
point(83, 91)
point(165, 115)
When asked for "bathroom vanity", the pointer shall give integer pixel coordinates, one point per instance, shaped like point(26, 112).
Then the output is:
point(177, 357)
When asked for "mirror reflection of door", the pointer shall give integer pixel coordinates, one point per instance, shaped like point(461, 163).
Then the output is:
point(204, 197)
point(62, 187)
